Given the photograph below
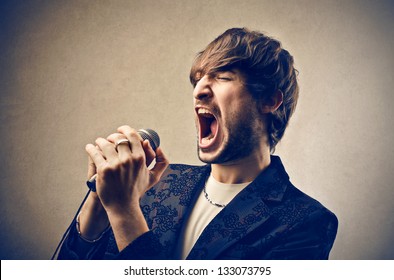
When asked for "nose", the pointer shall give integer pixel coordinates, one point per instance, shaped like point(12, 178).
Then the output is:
point(203, 89)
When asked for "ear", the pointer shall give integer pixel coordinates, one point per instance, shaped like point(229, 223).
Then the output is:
point(272, 103)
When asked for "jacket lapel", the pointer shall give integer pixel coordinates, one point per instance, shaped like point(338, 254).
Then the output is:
point(179, 187)
point(247, 211)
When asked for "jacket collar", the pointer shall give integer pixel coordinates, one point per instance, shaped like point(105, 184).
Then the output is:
point(247, 211)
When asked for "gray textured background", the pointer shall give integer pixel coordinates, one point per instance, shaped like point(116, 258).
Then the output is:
point(71, 71)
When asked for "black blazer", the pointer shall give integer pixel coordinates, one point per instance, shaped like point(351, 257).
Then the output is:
point(269, 219)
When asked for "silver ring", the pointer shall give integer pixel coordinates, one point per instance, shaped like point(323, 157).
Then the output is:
point(122, 141)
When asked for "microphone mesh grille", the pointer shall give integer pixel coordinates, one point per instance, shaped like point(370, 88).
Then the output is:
point(151, 136)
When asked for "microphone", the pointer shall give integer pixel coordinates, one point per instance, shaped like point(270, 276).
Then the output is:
point(146, 134)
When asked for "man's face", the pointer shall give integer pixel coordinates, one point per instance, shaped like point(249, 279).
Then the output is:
point(228, 123)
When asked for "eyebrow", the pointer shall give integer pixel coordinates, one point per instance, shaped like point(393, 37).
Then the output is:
point(224, 70)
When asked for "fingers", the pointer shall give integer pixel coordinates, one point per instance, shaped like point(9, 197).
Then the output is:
point(105, 153)
point(138, 150)
point(124, 150)
point(149, 152)
point(113, 152)
point(115, 137)
point(108, 149)
point(95, 154)
point(161, 165)
point(135, 142)
point(91, 168)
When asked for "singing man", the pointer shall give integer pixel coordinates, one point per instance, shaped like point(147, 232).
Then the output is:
point(240, 204)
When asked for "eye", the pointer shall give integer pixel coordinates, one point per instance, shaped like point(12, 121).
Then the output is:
point(224, 76)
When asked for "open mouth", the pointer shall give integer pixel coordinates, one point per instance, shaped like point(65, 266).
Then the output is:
point(208, 127)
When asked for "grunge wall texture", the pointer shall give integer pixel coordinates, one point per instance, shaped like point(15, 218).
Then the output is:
point(71, 71)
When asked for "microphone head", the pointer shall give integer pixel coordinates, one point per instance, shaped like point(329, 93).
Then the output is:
point(151, 136)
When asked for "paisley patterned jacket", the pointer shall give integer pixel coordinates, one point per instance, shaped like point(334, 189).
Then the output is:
point(269, 219)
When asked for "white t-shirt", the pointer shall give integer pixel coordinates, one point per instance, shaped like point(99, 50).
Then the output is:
point(203, 211)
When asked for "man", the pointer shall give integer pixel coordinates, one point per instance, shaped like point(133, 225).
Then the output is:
point(241, 205)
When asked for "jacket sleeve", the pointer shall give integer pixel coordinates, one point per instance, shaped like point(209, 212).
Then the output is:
point(75, 248)
point(311, 239)
point(145, 247)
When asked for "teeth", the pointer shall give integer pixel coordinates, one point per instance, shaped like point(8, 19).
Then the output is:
point(203, 111)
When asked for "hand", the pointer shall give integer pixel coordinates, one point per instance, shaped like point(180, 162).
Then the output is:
point(123, 176)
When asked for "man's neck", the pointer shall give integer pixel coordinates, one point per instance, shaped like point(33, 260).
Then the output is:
point(242, 170)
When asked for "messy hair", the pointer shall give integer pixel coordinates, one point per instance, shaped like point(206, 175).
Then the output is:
point(267, 68)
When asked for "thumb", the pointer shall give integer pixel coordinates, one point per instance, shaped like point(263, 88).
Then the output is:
point(161, 165)
point(149, 152)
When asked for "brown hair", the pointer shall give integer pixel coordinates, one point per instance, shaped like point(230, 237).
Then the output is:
point(265, 65)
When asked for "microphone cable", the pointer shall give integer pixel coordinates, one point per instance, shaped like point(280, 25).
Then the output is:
point(69, 227)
